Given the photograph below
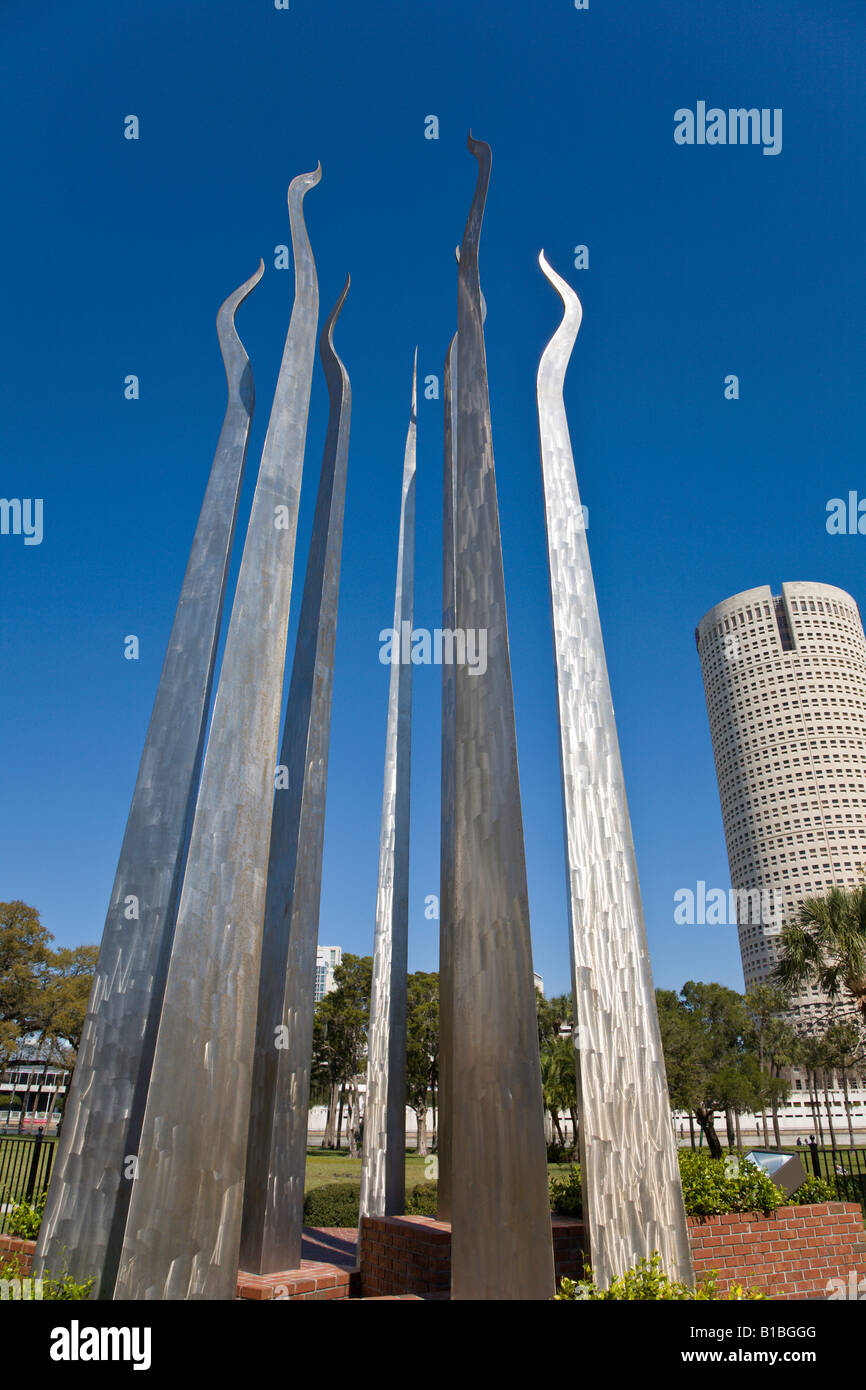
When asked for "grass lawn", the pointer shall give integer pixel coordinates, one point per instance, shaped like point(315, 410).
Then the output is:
point(334, 1165)
point(329, 1165)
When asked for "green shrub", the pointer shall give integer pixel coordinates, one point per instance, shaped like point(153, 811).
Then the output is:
point(333, 1204)
point(560, 1153)
point(565, 1193)
point(25, 1220)
point(54, 1286)
point(713, 1186)
point(847, 1187)
point(646, 1281)
point(422, 1200)
point(63, 1286)
point(813, 1190)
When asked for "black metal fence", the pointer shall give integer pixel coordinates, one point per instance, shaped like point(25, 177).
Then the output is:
point(843, 1169)
point(25, 1170)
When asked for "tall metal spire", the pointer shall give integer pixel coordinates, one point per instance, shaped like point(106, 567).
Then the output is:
point(383, 1170)
point(92, 1180)
point(500, 1209)
point(446, 838)
point(184, 1224)
point(277, 1152)
point(632, 1195)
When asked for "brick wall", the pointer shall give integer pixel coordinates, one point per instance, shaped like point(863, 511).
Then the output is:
point(412, 1254)
point(313, 1281)
point(405, 1254)
point(24, 1249)
point(569, 1243)
point(791, 1254)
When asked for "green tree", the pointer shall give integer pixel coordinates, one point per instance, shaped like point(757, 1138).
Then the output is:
point(558, 1069)
point(422, 1047)
point(705, 1033)
point(65, 995)
point(43, 992)
point(826, 946)
point(340, 1042)
point(559, 1081)
point(25, 962)
point(781, 1048)
point(764, 1004)
point(843, 1050)
point(811, 1057)
point(740, 1085)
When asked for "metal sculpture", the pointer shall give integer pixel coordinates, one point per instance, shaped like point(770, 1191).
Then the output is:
point(92, 1181)
point(500, 1211)
point(631, 1188)
point(277, 1149)
point(183, 1228)
point(446, 841)
point(383, 1170)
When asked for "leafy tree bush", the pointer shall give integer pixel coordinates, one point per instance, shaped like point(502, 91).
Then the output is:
point(63, 1286)
point(333, 1204)
point(25, 1219)
point(565, 1193)
point(646, 1281)
point(712, 1187)
point(337, 1203)
point(54, 1286)
point(421, 1200)
point(813, 1190)
point(560, 1153)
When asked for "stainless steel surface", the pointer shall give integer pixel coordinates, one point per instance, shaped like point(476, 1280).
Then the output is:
point(446, 840)
point(383, 1168)
point(631, 1188)
point(446, 843)
point(500, 1211)
point(277, 1149)
point(183, 1228)
point(89, 1193)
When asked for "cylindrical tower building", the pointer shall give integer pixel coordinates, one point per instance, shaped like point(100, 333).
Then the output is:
point(785, 683)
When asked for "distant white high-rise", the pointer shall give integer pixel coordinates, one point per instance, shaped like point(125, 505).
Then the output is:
point(327, 960)
point(785, 683)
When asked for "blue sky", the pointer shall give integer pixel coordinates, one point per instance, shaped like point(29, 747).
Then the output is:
point(703, 261)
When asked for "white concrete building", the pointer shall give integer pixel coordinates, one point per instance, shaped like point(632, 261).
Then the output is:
point(785, 684)
point(327, 960)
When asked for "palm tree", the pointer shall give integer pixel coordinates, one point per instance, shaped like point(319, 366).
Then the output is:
point(811, 1058)
point(826, 945)
point(558, 1081)
point(765, 1004)
point(844, 1048)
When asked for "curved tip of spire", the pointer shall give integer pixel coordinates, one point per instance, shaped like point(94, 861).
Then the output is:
point(304, 182)
point(225, 316)
point(480, 149)
point(558, 350)
point(415, 384)
point(327, 337)
point(566, 292)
